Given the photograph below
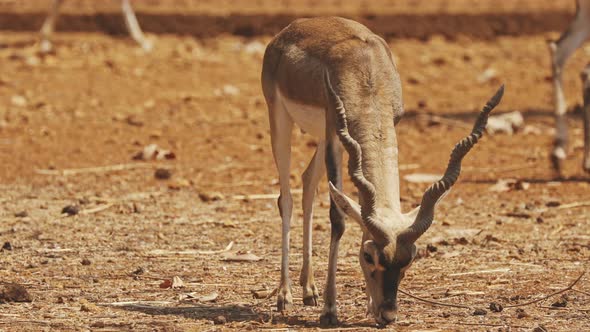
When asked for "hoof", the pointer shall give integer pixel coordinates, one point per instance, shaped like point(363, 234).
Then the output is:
point(328, 319)
point(557, 159)
point(284, 302)
point(46, 47)
point(311, 300)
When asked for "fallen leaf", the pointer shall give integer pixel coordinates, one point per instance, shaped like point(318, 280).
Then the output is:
point(177, 282)
point(194, 297)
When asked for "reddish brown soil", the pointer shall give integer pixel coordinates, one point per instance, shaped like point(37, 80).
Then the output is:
point(99, 100)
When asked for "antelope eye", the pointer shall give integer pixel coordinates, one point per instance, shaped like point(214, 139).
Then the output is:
point(369, 259)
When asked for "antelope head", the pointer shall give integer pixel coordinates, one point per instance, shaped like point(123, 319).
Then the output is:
point(388, 243)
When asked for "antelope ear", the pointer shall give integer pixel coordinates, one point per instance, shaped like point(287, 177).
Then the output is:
point(346, 204)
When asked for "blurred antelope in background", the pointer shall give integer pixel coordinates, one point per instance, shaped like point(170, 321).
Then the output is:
point(573, 37)
point(338, 81)
point(130, 21)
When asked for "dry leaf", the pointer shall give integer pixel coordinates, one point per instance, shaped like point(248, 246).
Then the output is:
point(177, 282)
point(194, 297)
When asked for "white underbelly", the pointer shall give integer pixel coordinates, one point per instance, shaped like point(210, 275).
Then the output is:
point(311, 119)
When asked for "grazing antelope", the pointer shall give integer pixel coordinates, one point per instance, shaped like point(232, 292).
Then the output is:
point(338, 81)
point(130, 21)
point(573, 37)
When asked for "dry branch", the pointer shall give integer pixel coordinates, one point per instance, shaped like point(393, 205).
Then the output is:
point(98, 169)
point(548, 296)
point(434, 302)
point(160, 252)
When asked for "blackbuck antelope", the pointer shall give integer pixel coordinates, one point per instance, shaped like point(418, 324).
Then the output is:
point(130, 21)
point(338, 81)
point(573, 37)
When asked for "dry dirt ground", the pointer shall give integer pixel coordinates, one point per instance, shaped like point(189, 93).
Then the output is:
point(99, 100)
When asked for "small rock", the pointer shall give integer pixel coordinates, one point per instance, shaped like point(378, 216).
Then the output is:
point(507, 123)
point(71, 210)
point(540, 220)
point(18, 100)
point(479, 312)
point(211, 196)
point(139, 270)
point(219, 320)
point(154, 152)
point(85, 261)
point(487, 75)
point(520, 313)
point(561, 303)
point(14, 293)
point(21, 214)
point(178, 184)
point(230, 90)
point(431, 248)
point(553, 204)
point(87, 306)
point(7, 246)
point(496, 307)
point(163, 174)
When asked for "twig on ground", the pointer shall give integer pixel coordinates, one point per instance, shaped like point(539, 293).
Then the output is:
point(581, 291)
point(262, 196)
point(160, 252)
point(271, 294)
point(24, 321)
point(434, 302)
point(573, 205)
point(96, 209)
point(498, 169)
point(98, 169)
point(570, 287)
point(137, 304)
point(502, 270)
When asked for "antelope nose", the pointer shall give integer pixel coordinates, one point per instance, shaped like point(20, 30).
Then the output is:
point(389, 316)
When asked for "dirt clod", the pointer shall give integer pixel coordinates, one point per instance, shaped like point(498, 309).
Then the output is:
point(21, 214)
point(520, 313)
point(479, 312)
point(561, 303)
point(211, 196)
point(71, 210)
point(431, 248)
point(163, 174)
point(219, 320)
point(85, 261)
point(496, 307)
point(14, 293)
point(7, 246)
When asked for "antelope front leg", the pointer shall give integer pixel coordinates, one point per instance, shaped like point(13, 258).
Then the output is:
point(281, 126)
point(134, 28)
point(45, 45)
point(575, 35)
point(586, 93)
point(333, 163)
point(311, 178)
